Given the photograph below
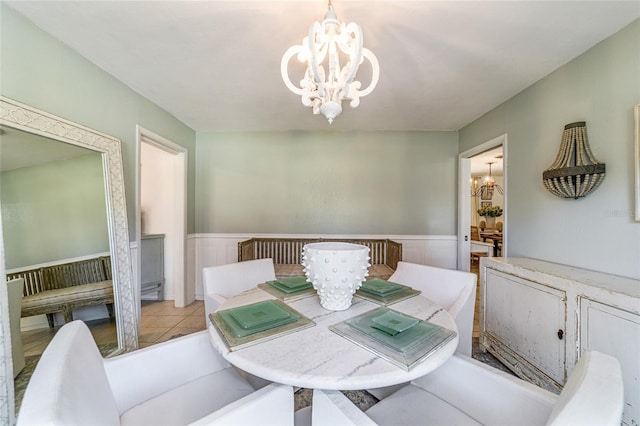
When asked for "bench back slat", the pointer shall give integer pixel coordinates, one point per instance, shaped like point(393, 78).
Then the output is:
point(32, 280)
point(288, 251)
point(75, 273)
point(64, 275)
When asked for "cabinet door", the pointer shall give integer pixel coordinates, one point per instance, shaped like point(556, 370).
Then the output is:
point(615, 332)
point(152, 259)
point(529, 319)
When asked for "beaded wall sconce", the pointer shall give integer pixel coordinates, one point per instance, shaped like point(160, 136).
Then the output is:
point(575, 173)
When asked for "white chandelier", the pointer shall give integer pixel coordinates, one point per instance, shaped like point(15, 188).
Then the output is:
point(325, 83)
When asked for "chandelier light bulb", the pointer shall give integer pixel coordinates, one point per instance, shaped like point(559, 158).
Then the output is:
point(489, 180)
point(327, 82)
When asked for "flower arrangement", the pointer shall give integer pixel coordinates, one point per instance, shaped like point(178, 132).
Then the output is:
point(495, 211)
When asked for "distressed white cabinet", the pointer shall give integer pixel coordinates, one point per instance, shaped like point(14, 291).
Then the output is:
point(526, 321)
point(538, 318)
point(601, 326)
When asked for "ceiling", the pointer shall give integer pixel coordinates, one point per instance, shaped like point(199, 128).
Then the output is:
point(215, 65)
point(480, 163)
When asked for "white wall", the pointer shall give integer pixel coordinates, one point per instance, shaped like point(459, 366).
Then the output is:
point(39, 70)
point(157, 198)
point(600, 87)
point(401, 183)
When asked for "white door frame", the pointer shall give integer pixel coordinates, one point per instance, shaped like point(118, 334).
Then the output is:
point(464, 200)
point(180, 165)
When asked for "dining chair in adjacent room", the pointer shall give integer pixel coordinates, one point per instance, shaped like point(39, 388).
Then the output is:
point(453, 290)
point(178, 382)
point(465, 391)
point(476, 241)
point(223, 281)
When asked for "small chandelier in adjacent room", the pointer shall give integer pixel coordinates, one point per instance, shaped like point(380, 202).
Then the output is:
point(486, 187)
point(489, 181)
point(326, 83)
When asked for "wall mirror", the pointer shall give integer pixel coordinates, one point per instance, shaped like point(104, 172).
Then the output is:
point(62, 137)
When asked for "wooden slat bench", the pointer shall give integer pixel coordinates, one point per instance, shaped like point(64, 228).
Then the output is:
point(287, 254)
point(67, 286)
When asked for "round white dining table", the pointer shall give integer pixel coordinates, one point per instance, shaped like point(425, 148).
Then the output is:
point(318, 358)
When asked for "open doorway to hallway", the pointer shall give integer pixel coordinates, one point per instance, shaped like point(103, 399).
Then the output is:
point(162, 204)
point(482, 201)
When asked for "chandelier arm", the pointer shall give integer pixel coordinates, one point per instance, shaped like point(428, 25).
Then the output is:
point(355, 56)
point(284, 69)
point(313, 59)
point(375, 75)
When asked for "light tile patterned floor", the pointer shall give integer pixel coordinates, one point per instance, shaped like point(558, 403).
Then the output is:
point(159, 322)
point(475, 268)
point(162, 320)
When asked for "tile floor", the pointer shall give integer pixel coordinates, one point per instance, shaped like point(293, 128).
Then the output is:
point(475, 268)
point(159, 322)
point(162, 320)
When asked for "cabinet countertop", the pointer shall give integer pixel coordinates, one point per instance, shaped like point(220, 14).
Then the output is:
point(563, 275)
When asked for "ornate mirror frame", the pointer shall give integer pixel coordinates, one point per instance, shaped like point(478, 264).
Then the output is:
point(20, 116)
point(636, 155)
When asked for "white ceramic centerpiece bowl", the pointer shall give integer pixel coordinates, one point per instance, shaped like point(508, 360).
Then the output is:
point(336, 271)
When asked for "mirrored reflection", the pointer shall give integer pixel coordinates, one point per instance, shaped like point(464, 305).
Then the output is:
point(56, 237)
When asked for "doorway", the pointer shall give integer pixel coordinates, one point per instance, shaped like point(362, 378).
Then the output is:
point(161, 204)
point(474, 193)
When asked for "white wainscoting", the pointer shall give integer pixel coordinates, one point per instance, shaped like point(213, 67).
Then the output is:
point(218, 249)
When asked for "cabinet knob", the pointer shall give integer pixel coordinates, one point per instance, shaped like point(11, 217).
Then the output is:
point(560, 334)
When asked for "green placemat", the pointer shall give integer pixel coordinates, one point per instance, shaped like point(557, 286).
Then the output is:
point(236, 337)
point(296, 282)
point(405, 292)
point(256, 317)
point(392, 322)
point(380, 287)
point(288, 295)
point(405, 349)
point(291, 285)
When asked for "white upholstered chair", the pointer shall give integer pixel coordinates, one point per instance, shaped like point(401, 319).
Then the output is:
point(466, 392)
point(181, 381)
point(454, 290)
point(14, 289)
point(223, 281)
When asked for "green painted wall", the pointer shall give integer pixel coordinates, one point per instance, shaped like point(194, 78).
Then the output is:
point(600, 87)
point(327, 182)
point(54, 211)
point(38, 70)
